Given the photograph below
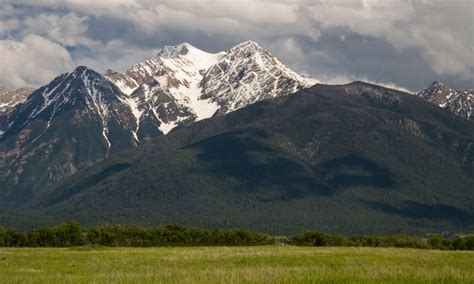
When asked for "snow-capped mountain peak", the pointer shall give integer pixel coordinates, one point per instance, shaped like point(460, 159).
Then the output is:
point(83, 84)
point(459, 102)
point(167, 87)
point(83, 90)
point(172, 51)
point(246, 46)
point(248, 73)
point(182, 83)
point(168, 61)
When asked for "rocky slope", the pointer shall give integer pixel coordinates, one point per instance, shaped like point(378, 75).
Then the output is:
point(459, 102)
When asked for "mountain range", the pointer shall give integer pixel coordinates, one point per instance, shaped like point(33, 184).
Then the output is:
point(183, 84)
point(236, 138)
point(82, 117)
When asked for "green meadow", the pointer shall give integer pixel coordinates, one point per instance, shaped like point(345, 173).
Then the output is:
point(260, 264)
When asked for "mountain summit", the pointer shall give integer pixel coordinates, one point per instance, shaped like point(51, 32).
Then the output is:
point(182, 83)
point(459, 102)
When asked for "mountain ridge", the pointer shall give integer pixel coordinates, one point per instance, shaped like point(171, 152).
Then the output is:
point(458, 102)
point(197, 81)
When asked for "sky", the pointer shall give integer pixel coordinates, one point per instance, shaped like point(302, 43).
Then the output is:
point(404, 44)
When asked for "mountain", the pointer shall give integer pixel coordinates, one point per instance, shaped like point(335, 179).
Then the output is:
point(248, 73)
point(351, 159)
point(64, 126)
point(8, 101)
point(82, 117)
point(460, 102)
point(183, 84)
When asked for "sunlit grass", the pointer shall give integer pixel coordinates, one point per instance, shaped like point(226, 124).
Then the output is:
point(267, 264)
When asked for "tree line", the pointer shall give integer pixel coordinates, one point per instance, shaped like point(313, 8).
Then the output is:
point(73, 234)
point(436, 241)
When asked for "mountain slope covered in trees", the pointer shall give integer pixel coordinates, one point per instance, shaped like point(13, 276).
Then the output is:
point(354, 158)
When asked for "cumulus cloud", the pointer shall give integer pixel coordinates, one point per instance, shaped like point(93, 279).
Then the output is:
point(442, 30)
point(404, 43)
point(67, 30)
point(32, 61)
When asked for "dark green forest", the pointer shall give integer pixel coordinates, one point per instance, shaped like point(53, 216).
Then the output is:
point(73, 234)
point(351, 159)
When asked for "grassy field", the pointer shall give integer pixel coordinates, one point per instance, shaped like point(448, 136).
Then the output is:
point(267, 264)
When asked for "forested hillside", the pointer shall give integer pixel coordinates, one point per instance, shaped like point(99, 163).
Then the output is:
point(350, 159)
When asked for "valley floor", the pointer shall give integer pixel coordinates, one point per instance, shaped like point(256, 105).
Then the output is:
point(265, 264)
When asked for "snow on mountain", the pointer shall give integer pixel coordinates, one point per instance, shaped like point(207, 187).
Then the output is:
point(71, 123)
point(10, 99)
point(248, 73)
point(124, 82)
point(459, 102)
point(82, 85)
point(81, 90)
point(167, 86)
point(178, 86)
point(182, 84)
point(82, 117)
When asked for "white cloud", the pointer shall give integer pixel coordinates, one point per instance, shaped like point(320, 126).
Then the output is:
point(443, 30)
point(8, 25)
point(117, 33)
point(32, 61)
point(68, 29)
point(345, 79)
point(105, 56)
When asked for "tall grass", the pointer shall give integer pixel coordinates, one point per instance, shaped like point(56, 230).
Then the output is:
point(264, 264)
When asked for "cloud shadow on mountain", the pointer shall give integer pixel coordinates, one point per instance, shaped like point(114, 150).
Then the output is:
point(88, 182)
point(256, 164)
point(416, 210)
point(354, 170)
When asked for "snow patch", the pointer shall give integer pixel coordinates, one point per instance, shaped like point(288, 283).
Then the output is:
point(97, 102)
